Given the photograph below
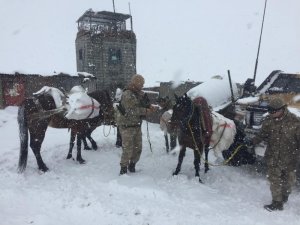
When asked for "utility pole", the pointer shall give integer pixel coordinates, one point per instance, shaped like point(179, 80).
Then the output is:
point(262, 26)
point(114, 6)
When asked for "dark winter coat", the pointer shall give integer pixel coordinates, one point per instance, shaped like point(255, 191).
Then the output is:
point(131, 102)
point(283, 141)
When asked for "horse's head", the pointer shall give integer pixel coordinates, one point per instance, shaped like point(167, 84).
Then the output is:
point(182, 110)
point(45, 101)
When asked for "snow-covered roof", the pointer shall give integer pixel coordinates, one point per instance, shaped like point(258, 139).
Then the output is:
point(216, 91)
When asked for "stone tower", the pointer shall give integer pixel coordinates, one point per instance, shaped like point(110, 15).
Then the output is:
point(106, 49)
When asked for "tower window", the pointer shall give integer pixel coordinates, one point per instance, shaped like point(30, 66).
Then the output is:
point(80, 54)
point(114, 56)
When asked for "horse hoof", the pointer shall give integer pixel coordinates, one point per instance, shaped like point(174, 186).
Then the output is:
point(87, 148)
point(69, 156)
point(175, 173)
point(95, 147)
point(81, 161)
point(200, 181)
point(44, 169)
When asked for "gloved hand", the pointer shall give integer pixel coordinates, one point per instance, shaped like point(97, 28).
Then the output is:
point(152, 109)
point(145, 101)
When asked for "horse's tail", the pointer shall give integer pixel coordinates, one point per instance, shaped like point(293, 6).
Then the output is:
point(23, 134)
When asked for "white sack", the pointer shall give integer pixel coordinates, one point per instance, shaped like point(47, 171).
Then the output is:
point(81, 106)
point(224, 131)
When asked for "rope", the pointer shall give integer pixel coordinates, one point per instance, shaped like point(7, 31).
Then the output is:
point(106, 135)
point(148, 135)
point(93, 108)
point(220, 136)
point(225, 162)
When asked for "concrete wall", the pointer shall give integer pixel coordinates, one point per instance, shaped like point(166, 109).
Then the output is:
point(95, 52)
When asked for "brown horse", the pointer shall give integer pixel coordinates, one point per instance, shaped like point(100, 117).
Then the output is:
point(37, 113)
point(194, 130)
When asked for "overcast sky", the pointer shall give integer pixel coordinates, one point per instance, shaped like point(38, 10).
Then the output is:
point(176, 39)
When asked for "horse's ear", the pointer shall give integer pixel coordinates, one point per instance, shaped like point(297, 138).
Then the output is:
point(185, 94)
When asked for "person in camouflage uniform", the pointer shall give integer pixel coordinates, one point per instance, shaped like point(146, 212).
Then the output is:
point(129, 121)
point(281, 131)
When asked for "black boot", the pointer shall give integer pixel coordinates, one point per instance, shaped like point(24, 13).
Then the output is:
point(131, 167)
point(274, 206)
point(285, 198)
point(123, 170)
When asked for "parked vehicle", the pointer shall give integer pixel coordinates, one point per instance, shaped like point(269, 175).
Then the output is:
point(254, 107)
point(277, 84)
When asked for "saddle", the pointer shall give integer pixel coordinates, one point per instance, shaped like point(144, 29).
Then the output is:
point(206, 119)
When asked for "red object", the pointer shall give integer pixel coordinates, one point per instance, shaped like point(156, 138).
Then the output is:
point(205, 111)
point(89, 106)
point(14, 92)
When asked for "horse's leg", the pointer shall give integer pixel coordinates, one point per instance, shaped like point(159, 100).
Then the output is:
point(79, 157)
point(173, 138)
point(206, 150)
point(180, 159)
point(85, 144)
point(197, 163)
point(93, 142)
point(36, 141)
point(72, 142)
point(167, 143)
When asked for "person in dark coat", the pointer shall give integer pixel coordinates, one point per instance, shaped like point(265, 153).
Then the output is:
point(281, 131)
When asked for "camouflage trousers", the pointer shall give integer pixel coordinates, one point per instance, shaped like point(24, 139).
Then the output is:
point(131, 145)
point(281, 182)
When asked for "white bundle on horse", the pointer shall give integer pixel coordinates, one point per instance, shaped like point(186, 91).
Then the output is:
point(164, 120)
point(224, 131)
point(81, 106)
point(56, 94)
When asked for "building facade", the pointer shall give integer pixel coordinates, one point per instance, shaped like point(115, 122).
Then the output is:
point(106, 49)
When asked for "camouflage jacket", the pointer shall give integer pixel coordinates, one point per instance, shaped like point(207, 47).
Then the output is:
point(131, 103)
point(283, 141)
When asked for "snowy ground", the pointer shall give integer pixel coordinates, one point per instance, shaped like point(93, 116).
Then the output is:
point(94, 193)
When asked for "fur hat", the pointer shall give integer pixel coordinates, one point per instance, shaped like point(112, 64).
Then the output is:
point(276, 103)
point(136, 81)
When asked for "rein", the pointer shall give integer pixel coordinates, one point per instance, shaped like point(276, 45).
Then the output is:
point(148, 135)
point(192, 133)
point(106, 135)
